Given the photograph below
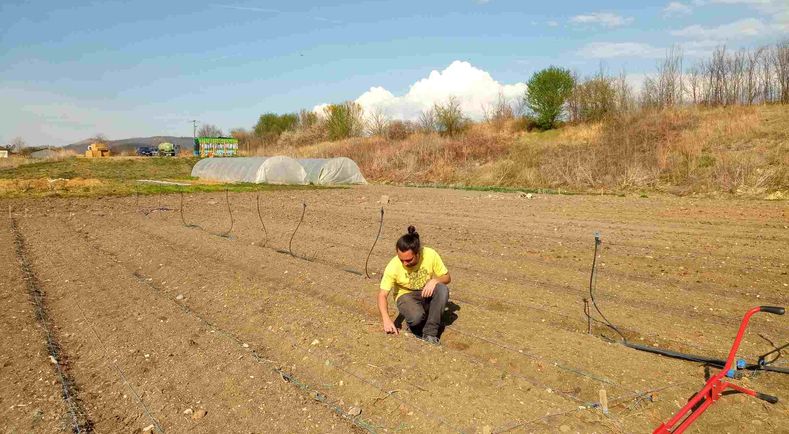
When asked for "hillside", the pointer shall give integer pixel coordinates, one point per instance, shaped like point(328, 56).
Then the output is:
point(736, 150)
point(128, 146)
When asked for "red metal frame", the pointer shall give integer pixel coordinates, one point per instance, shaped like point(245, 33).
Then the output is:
point(713, 389)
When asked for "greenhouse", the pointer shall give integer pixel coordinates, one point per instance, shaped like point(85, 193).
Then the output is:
point(258, 170)
point(331, 171)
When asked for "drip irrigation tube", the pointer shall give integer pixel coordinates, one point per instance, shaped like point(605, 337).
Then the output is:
point(230, 213)
point(260, 217)
point(80, 422)
point(761, 366)
point(378, 235)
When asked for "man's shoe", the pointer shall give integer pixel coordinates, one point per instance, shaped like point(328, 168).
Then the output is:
point(431, 340)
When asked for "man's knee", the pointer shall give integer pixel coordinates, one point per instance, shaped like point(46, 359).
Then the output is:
point(412, 311)
point(441, 291)
point(414, 317)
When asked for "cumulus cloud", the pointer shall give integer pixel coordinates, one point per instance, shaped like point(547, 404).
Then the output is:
point(677, 8)
point(474, 88)
point(607, 50)
point(605, 19)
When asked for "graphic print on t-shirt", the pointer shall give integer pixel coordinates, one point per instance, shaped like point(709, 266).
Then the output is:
point(418, 278)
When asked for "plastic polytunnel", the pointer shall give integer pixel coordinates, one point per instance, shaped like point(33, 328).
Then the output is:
point(328, 171)
point(258, 170)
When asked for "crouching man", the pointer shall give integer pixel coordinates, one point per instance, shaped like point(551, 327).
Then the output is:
point(419, 279)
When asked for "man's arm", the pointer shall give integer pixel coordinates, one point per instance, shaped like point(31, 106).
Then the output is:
point(430, 286)
point(383, 307)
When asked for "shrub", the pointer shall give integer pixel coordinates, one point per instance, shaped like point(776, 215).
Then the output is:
point(399, 130)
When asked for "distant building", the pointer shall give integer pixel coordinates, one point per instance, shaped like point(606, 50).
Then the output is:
point(216, 147)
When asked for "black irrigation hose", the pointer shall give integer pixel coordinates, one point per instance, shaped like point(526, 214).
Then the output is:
point(265, 241)
point(80, 421)
point(592, 282)
point(761, 366)
point(183, 220)
point(230, 212)
point(290, 243)
point(367, 261)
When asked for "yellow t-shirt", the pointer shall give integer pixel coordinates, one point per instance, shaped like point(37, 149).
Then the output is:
point(404, 280)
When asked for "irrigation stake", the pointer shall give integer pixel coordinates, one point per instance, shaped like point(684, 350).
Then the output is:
point(265, 241)
point(367, 261)
point(230, 212)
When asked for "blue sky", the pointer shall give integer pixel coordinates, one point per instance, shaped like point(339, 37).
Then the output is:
point(69, 70)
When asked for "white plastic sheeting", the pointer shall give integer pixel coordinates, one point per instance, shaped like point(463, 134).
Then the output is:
point(330, 171)
point(258, 170)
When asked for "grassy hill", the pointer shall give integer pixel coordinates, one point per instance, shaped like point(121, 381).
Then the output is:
point(737, 150)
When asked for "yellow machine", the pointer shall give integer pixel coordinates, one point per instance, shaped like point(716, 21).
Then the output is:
point(97, 150)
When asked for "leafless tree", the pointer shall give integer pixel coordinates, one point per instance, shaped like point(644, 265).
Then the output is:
point(377, 123)
point(17, 144)
point(427, 121)
point(208, 130)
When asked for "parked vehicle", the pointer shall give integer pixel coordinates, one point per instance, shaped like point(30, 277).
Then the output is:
point(147, 151)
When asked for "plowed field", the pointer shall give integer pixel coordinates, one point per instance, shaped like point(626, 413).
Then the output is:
point(165, 324)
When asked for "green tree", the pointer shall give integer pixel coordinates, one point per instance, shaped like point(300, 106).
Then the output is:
point(547, 92)
point(271, 125)
point(344, 120)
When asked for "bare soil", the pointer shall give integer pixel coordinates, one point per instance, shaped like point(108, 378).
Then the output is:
point(158, 317)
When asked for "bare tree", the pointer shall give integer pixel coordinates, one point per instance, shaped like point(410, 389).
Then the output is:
point(781, 66)
point(99, 138)
point(17, 144)
point(377, 123)
point(208, 130)
point(427, 121)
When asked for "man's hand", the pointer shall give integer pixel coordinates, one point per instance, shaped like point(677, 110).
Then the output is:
point(390, 328)
point(430, 286)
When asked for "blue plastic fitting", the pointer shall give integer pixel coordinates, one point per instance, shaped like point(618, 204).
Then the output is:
point(741, 364)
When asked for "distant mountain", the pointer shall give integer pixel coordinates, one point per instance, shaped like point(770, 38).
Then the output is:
point(129, 146)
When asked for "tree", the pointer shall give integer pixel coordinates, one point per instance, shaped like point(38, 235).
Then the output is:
point(208, 130)
point(344, 120)
point(100, 138)
point(271, 125)
point(547, 92)
point(449, 117)
point(378, 123)
point(427, 121)
point(17, 144)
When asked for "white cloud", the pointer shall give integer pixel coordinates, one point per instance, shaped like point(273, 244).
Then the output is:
point(474, 88)
point(604, 19)
point(746, 27)
point(552, 23)
point(677, 8)
point(607, 50)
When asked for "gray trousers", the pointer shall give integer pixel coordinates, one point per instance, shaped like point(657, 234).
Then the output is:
point(423, 315)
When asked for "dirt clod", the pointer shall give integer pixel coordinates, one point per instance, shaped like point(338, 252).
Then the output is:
point(199, 414)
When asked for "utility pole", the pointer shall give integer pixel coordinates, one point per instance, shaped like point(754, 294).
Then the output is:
point(194, 136)
point(194, 128)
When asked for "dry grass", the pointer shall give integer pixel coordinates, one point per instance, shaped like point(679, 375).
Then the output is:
point(739, 150)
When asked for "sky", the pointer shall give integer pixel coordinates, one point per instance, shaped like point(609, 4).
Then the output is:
point(70, 70)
